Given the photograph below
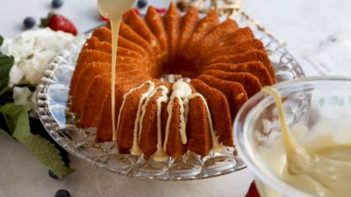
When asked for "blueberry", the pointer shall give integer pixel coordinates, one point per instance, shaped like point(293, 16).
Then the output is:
point(56, 3)
point(181, 5)
point(52, 175)
point(62, 193)
point(142, 3)
point(29, 22)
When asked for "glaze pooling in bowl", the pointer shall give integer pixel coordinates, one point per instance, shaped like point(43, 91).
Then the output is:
point(318, 112)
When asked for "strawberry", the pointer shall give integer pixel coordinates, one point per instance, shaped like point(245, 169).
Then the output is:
point(102, 18)
point(137, 11)
point(252, 191)
point(58, 22)
point(161, 10)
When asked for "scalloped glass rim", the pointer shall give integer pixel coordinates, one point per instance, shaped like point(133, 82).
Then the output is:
point(52, 97)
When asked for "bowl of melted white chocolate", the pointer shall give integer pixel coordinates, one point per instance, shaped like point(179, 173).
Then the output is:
point(296, 137)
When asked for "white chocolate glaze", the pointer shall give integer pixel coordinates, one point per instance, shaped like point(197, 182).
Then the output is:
point(143, 112)
point(216, 146)
point(324, 171)
point(160, 154)
point(136, 150)
point(114, 10)
point(181, 92)
point(125, 96)
point(162, 99)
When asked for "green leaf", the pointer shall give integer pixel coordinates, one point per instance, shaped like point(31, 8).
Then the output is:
point(1, 40)
point(16, 117)
point(46, 152)
point(3, 125)
point(6, 63)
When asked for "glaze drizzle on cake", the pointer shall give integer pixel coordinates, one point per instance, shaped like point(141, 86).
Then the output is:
point(180, 81)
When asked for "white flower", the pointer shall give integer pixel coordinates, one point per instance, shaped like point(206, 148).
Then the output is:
point(22, 96)
point(16, 75)
point(33, 50)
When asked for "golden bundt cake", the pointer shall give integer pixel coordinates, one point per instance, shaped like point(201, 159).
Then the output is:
point(98, 90)
point(250, 82)
point(256, 68)
point(104, 125)
point(171, 23)
point(155, 23)
point(199, 127)
point(180, 81)
point(187, 27)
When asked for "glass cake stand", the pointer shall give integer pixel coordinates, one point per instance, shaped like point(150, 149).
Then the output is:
point(52, 97)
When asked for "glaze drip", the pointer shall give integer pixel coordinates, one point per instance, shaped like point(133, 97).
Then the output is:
point(136, 150)
point(216, 146)
point(182, 93)
point(160, 154)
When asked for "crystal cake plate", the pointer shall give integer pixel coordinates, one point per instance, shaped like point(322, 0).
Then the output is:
point(53, 100)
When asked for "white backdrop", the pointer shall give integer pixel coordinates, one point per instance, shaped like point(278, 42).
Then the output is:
point(300, 23)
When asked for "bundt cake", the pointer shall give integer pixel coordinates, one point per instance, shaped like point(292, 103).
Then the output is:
point(180, 81)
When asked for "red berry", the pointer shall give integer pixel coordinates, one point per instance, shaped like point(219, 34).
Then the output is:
point(252, 191)
point(161, 10)
point(59, 22)
point(135, 10)
point(103, 18)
